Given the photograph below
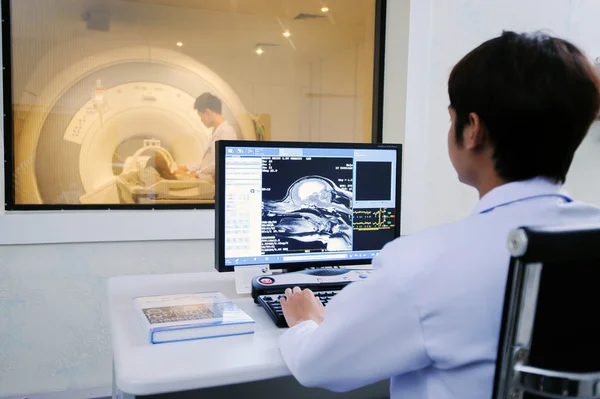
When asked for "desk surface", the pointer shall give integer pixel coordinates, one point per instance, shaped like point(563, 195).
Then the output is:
point(144, 369)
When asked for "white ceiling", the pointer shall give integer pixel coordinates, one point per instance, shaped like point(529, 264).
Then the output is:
point(343, 11)
point(211, 27)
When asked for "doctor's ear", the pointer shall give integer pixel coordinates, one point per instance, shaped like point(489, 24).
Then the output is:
point(474, 133)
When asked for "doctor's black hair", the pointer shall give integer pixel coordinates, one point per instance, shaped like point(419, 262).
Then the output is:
point(536, 97)
point(208, 101)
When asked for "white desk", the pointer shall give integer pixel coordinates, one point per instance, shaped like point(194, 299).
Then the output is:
point(142, 369)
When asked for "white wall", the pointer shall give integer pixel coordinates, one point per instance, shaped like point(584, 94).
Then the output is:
point(54, 334)
point(396, 86)
point(441, 32)
point(584, 177)
point(333, 92)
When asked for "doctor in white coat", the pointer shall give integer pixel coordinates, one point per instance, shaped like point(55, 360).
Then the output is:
point(210, 111)
point(429, 317)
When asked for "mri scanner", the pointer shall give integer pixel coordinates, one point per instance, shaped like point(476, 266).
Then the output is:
point(91, 128)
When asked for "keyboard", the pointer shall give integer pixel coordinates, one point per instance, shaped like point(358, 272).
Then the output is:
point(324, 282)
point(271, 304)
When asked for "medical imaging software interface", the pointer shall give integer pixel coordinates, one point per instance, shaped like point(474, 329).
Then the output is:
point(285, 205)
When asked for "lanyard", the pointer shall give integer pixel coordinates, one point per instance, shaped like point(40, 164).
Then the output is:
point(564, 197)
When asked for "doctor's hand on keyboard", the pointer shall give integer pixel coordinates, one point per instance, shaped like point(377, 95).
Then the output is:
point(298, 308)
point(301, 305)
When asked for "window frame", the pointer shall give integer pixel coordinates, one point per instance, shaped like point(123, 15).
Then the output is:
point(9, 187)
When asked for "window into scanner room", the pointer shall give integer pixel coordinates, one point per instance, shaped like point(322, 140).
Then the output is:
point(117, 103)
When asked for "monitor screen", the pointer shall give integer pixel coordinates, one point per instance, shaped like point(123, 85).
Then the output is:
point(297, 205)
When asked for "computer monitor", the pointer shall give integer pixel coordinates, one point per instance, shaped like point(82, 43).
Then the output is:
point(295, 205)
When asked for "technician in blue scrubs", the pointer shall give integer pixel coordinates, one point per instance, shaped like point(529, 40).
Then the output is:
point(429, 316)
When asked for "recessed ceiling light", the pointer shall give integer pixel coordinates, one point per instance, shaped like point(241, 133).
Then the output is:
point(259, 51)
point(324, 9)
point(179, 44)
point(287, 33)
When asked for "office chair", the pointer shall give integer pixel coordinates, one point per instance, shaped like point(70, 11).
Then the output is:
point(550, 336)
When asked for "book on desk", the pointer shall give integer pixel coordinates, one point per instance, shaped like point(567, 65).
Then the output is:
point(183, 317)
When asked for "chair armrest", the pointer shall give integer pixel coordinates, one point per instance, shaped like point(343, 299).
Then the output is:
point(557, 384)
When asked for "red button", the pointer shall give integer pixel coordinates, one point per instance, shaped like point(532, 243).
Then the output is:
point(266, 280)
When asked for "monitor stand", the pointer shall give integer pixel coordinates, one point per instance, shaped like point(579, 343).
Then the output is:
point(245, 274)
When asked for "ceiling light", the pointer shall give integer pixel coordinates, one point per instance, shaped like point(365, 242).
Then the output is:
point(179, 44)
point(324, 9)
point(287, 33)
point(259, 51)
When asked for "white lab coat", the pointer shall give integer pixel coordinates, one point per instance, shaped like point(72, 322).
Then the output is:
point(429, 316)
point(206, 167)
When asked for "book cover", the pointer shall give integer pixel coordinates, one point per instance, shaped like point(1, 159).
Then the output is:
point(181, 317)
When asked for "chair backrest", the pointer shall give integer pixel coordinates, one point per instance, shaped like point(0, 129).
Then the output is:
point(550, 336)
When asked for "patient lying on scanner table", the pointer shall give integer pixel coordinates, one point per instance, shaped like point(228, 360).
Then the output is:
point(156, 169)
point(153, 181)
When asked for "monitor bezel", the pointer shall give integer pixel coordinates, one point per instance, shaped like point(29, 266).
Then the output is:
point(220, 195)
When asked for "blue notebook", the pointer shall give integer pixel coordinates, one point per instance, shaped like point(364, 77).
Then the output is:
point(183, 317)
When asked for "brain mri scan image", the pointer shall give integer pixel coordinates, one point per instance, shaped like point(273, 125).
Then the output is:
point(315, 214)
